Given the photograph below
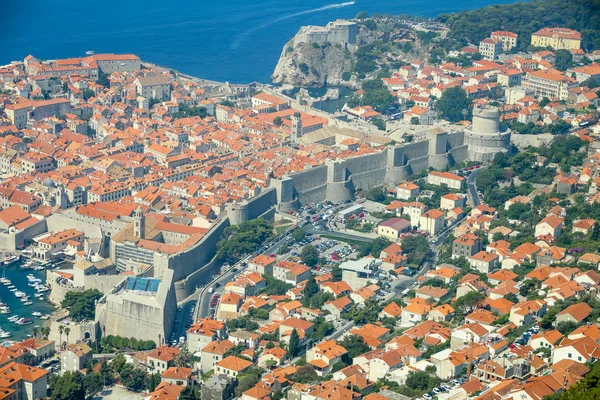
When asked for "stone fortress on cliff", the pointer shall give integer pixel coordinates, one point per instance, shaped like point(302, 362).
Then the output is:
point(339, 32)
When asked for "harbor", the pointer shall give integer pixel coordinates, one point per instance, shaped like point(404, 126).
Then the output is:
point(24, 303)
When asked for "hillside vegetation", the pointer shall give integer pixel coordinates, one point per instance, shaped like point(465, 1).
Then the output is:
point(528, 17)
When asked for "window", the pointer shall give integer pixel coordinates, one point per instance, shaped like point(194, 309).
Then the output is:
point(570, 355)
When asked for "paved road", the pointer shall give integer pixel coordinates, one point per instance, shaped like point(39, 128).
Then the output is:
point(435, 244)
point(341, 235)
point(203, 302)
point(472, 187)
point(183, 318)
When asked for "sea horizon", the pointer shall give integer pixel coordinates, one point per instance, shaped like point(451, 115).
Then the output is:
point(238, 41)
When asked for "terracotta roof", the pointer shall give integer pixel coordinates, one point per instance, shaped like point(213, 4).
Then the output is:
point(234, 363)
point(578, 311)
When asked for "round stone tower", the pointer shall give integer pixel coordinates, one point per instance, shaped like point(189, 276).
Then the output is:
point(483, 138)
point(237, 212)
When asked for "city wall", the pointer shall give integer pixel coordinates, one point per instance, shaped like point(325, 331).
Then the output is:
point(92, 227)
point(198, 264)
point(187, 262)
point(11, 238)
point(337, 180)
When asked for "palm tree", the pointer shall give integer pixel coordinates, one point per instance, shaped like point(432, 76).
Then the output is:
point(45, 332)
point(35, 332)
point(61, 329)
point(67, 331)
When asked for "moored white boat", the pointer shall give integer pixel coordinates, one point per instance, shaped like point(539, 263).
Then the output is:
point(11, 259)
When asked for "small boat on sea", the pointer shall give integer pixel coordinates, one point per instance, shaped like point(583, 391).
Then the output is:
point(36, 314)
point(11, 259)
point(14, 318)
point(24, 321)
point(28, 303)
point(4, 334)
point(18, 293)
point(5, 310)
point(11, 286)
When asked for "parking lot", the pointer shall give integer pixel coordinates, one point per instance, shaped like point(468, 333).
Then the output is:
point(333, 250)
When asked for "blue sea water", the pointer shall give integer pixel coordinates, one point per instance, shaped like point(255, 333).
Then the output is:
point(18, 277)
point(227, 40)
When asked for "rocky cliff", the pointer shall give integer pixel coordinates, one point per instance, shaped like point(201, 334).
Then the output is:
point(308, 65)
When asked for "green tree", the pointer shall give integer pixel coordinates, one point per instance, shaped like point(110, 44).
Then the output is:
point(498, 236)
point(336, 273)
point(591, 83)
point(544, 102)
point(88, 94)
point(512, 298)
point(595, 235)
point(322, 328)
point(309, 255)
point(133, 378)
point(362, 15)
point(240, 240)
point(275, 287)
point(310, 288)
point(418, 380)
point(375, 194)
point(294, 345)
point(527, 287)
point(298, 235)
point(81, 305)
point(247, 380)
point(416, 248)
point(69, 386)
point(566, 327)
point(244, 323)
point(93, 384)
point(346, 76)
point(118, 363)
point(283, 249)
point(304, 374)
point(379, 123)
point(468, 302)
point(105, 373)
point(516, 210)
point(189, 393)
point(453, 103)
point(355, 345)
point(564, 60)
